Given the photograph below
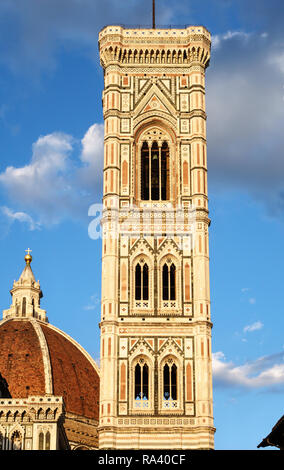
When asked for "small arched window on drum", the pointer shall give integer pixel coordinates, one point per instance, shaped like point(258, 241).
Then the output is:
point(24, 306)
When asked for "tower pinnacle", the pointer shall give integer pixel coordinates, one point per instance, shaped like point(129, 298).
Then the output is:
point(26, 294)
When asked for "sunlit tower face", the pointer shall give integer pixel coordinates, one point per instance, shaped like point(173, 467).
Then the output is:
point(155, 327)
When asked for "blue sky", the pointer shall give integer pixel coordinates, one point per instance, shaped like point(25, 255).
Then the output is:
point(50, 173)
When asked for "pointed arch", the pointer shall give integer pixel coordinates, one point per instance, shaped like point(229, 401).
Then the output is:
point(155, 172)
point(47, 441)
point(154, 146)
point(40, 441)
point(16, 440)
point(169, 280)
point(141, 381)
point(165, 171)
point(145, 193)
point(170, 385)
point(141, 280)
point(24, 306)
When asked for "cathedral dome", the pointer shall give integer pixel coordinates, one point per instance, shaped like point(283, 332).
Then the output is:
point(38, 359)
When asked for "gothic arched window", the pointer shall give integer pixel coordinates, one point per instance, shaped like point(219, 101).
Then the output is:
point(141, 281)
point(40, 441)
point(155, 171)
point(16, 441)
point(24, 306)
point(165, 172)
point(47, 441)
point(170, 384)
point(169, 281)
point(141, 382)
point(145, 193)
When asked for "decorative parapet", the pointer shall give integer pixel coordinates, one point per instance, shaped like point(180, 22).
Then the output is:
point(39, 408)
point(152, 47)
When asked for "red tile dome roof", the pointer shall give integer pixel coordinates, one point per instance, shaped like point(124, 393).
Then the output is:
point(38, 359)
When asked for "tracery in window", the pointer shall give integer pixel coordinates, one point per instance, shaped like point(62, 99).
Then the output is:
point(155, 171)
point(141, 281)
point(169, 281)
point(165, 171)
point(170, 384)
point(145, 172)
point(141, 384)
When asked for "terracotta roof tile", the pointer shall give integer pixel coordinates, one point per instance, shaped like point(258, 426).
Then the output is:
point(21, 363)
point(74, 377)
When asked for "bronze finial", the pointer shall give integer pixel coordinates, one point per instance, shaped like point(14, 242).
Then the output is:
point(28, 257)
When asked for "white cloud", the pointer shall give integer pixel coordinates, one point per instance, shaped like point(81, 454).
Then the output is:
point(254, 327)
point(40, 185)
point(31, 181)
point(92, 144)
point(267, 371)
point(92, 156)
point(218, 39)
point(252, 300)
point(245, 116)
point(61, 179)
point(277, 59)
point(94, 302)
point(20, 217)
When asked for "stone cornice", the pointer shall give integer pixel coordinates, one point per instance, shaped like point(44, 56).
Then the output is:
point(178, 47)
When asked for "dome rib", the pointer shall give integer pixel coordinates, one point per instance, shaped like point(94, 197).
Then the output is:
point(75, 374)
point(45, 357)
point(21, 362)
point(38, 359)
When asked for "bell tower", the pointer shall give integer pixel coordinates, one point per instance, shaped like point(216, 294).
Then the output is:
point(156, 379)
